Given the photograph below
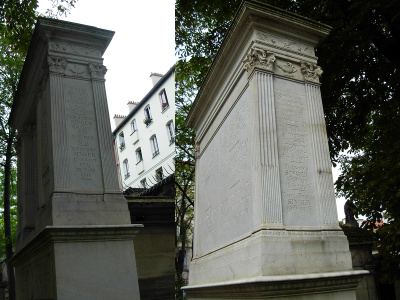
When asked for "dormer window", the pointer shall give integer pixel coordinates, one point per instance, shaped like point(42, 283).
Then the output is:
point(164, 99)
point(147, 116)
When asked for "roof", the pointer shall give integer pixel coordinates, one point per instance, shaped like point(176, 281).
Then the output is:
point(144, 100)
point(140, 192)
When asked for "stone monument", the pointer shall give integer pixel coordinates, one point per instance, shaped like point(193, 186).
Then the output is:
point(74, 238)
point(266, 223)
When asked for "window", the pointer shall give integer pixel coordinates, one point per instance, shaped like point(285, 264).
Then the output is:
point(143, 183)
point(139, 156)
point(121, 141)
point(164, 99)
point(147, 116)
point(159, 174)
point(133, 125)
point(126, 168)
point(154, 145)
point(171, 132)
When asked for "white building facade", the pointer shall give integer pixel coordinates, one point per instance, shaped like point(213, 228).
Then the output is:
point(144, 140)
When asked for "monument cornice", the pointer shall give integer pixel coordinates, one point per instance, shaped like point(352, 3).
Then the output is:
point(247, 18)
point(55, 39)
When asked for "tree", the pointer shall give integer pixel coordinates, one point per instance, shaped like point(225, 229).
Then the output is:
point(17, 20)
point(195, 49)
point(360, 92)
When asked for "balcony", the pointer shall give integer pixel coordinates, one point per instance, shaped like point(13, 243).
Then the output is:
point(148, 121)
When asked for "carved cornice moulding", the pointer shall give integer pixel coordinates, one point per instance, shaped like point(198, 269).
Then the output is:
point(57, 44)
point(285, 45)
point(63, 47)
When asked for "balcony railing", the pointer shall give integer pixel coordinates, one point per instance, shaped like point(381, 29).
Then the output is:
point(147, 121)
point(156, 153)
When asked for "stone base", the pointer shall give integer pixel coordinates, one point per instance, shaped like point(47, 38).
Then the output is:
point(271, 253)
point(329, 286)
point(155, 247)
point(78, 262)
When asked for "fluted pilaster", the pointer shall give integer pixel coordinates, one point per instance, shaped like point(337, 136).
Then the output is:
point(59, 134)
point(266, 189)
point(104, 134)
point(320, 149)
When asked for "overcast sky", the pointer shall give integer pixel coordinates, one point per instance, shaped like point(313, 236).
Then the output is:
point(144, 42)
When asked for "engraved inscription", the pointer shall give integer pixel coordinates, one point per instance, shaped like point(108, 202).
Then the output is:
point(295, 157)
point(81, 123)
point(225, 183)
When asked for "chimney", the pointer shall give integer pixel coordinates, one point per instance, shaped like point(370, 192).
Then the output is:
point(155, 77)
point(132, 105)
point(118, 119)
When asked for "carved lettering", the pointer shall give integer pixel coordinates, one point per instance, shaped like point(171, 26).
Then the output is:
point(82, 129)
point(295, 156)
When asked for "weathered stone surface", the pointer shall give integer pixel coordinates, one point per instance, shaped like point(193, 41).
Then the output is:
point(265, 203)
point(72, 239)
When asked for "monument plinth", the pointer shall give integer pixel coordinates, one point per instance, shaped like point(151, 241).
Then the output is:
point(265, 214)
point(74, 238)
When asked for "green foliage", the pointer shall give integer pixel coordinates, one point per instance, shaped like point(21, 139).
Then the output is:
point(60, 7)
point(360, 92)
point(13, 210)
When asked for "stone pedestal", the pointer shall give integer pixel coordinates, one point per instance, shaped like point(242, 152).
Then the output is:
point(265, 215)
point(74, 238)
point(360, 243)
point(155, 245)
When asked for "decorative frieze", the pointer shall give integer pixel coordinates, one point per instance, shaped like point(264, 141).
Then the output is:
point(285, 44)
point(288, 68)
point(74, 49)
point(259, 58)
point(77, 70)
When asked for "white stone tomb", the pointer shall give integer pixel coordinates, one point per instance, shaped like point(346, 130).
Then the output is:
point(266, 224)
